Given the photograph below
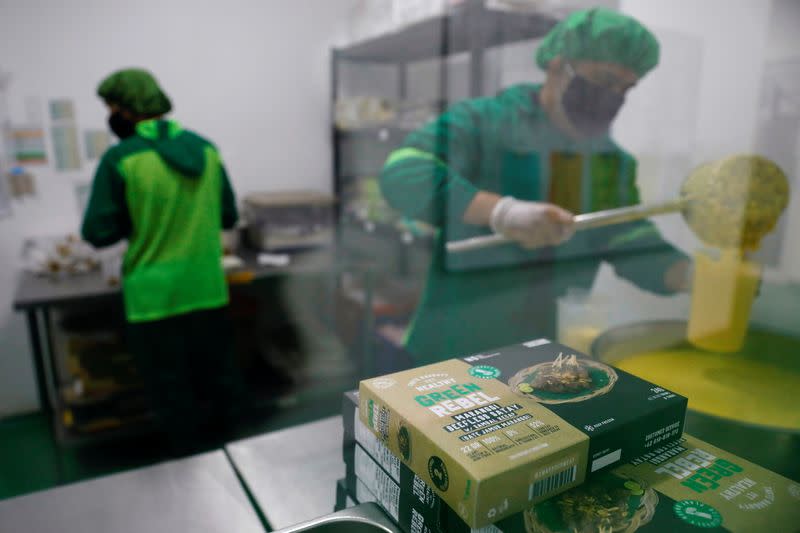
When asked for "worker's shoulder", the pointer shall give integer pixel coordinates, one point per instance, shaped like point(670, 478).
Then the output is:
point(519, 95)
point(513, 99)
point(125, 148)
point(195, 138)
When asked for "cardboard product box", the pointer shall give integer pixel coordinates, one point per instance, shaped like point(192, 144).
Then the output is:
point(684, 487)
point(364, 494)
point(498, 431)
point(356, 432)
point(410, 503)
point(417, 501)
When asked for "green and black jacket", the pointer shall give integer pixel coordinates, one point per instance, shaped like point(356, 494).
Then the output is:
point(164, 189)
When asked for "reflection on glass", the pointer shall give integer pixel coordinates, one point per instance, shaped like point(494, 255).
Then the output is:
point(521, 165)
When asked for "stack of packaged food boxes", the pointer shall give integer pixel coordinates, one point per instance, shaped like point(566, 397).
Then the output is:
point(540, 438)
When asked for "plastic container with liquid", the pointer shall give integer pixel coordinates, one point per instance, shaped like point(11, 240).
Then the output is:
point(724, 287)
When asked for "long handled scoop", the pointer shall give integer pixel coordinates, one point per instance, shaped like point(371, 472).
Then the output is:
point(597, 219)
point(731, 203)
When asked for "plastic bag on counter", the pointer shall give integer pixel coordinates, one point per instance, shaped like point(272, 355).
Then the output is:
point(68, 255)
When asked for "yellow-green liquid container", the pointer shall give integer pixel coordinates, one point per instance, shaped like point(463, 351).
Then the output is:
point(723, 291)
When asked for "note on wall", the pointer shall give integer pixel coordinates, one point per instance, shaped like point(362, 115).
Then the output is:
point(96, 142)
point(5, 195)
point(65, 146)
point(64, 133)
point(27, 145)
point(62, 110)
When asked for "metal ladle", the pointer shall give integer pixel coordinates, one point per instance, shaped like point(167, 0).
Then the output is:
point(730, 203)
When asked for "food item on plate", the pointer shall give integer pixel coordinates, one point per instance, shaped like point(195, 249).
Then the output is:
point(567, 379)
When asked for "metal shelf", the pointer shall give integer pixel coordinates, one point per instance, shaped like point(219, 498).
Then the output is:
point(467, 27)
point(378, 131)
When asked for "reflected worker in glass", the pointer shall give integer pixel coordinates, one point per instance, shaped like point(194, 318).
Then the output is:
point(165, 190)
point(521, 164)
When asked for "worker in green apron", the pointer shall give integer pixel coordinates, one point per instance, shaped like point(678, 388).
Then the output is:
point(165, 190)
point(521, 164)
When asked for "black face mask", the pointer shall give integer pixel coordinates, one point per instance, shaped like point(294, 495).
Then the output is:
point(589, 107)
point(121, 126)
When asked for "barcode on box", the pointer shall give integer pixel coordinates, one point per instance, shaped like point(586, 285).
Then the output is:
point(386, 491)
point(550, 484)
point(376, 448)
point(383, 423)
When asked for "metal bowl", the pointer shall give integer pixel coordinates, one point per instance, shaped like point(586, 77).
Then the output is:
point(364, 518)
point(775, 448)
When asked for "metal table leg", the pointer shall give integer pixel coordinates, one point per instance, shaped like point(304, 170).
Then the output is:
point(43, 384)
point(38, 361)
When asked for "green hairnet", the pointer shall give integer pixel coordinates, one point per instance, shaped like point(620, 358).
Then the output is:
point(601, 35)
point(135, 90)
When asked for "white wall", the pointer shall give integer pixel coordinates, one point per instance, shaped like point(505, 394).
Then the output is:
point(252, 75)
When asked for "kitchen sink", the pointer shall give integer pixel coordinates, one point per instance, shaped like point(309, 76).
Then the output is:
point(365, 518)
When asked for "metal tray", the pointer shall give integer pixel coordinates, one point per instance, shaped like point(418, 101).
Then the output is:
point(365, 518)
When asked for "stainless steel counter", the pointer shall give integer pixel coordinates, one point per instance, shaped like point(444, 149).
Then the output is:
point(292, 473)
point(199, 494)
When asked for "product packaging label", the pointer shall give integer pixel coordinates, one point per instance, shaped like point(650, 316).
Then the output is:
point(495, 432)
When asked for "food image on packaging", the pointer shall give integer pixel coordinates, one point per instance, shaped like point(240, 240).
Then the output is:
point(606, 504)
point(565, 380)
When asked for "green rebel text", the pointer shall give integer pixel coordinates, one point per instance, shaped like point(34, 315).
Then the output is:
point(455, 399)
point(699, 470)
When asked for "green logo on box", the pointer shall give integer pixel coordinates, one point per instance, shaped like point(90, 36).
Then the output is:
point(484, 372)
point(438, 472)
point(404, 442)
point(698, 513)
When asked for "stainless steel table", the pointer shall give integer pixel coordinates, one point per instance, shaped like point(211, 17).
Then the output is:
point(37, 296)
point(200, 494)
point(292, 473)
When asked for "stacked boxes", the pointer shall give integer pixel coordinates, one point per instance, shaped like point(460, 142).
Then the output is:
point(375, 474)
point(640, 475)
point(495, 432)
point(683, 487)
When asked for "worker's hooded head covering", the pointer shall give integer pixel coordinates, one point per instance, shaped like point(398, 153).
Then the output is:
point(601, 35)
point(135, 90)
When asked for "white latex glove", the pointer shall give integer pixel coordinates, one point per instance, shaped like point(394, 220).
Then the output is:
point(531, 224)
